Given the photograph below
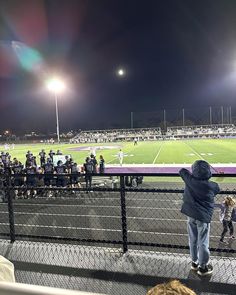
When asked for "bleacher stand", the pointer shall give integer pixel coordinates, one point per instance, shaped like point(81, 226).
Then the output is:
point(113, 135)
point(201, 131)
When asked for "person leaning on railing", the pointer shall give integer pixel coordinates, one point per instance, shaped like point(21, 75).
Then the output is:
point(198, 205)
point(173, 287)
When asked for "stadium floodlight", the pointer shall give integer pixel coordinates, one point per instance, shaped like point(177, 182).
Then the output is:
point(56, 86)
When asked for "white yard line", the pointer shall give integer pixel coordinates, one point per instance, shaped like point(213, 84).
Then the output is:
point(196, 153)
point(157, 155)
point(111, 161)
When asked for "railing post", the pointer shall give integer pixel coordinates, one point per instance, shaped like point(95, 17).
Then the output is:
point(10, 208)
point(123, 214)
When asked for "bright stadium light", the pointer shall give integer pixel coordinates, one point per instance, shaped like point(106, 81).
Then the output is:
point(56, 86)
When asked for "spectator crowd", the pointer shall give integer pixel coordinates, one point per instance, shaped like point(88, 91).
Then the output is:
point(139, 134)
point(144, 134)
point(215, 131)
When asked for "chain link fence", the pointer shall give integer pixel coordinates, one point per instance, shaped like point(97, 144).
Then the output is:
point(85, 238)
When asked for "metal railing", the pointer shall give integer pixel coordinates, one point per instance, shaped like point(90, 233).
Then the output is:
point(123, 195)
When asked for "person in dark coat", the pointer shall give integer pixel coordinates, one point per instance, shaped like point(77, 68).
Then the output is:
point(94, 163)
point(88, 169)
point(198, 206)
point(101, 164)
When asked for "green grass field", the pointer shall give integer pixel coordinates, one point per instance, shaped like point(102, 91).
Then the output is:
point(168, 152)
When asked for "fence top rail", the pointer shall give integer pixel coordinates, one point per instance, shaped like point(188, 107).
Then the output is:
point(24, 289)
point(158, 174)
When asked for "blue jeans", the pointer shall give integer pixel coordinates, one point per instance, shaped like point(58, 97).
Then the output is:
point(198, 235)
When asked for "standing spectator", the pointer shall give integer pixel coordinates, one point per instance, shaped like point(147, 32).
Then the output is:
point(51, 154)
point(34, 161)
point(94, 162)
point(121, 157)
point(42, 156)
point(8, 164)
point(74, 178)
point(101, 164)
point(17, 169)
point(31, 170)
point(28, 155)
point(61, 171)
point(198, 205)
point(88, 169)
point(3, 157)
point(59, 152)
point(227, 216)
point(28, 161)
point(68, 162)
point(40, 180)
point(48, 170)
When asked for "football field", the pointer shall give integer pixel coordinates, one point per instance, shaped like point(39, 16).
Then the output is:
point(215, 151)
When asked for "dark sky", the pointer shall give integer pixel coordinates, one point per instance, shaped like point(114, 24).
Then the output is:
point(176, 53)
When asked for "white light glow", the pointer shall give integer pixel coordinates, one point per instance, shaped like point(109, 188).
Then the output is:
point(121, 72)
point(55, 85)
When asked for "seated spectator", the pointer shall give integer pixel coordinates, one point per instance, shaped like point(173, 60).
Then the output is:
point(173, 287)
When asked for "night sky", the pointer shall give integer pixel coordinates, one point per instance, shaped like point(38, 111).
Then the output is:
point(176, 54)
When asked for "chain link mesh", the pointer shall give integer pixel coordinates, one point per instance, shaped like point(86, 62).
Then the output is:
point(79, 239)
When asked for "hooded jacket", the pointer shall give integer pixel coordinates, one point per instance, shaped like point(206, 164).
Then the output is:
point(199, 192)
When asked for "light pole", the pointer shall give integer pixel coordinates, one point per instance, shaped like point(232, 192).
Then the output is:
point(56, 86)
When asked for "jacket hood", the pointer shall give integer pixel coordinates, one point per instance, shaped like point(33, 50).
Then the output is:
point(201, 170)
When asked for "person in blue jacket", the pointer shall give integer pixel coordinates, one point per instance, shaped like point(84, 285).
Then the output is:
point(198, 206)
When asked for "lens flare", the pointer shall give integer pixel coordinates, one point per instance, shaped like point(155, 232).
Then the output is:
point(29, 58)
